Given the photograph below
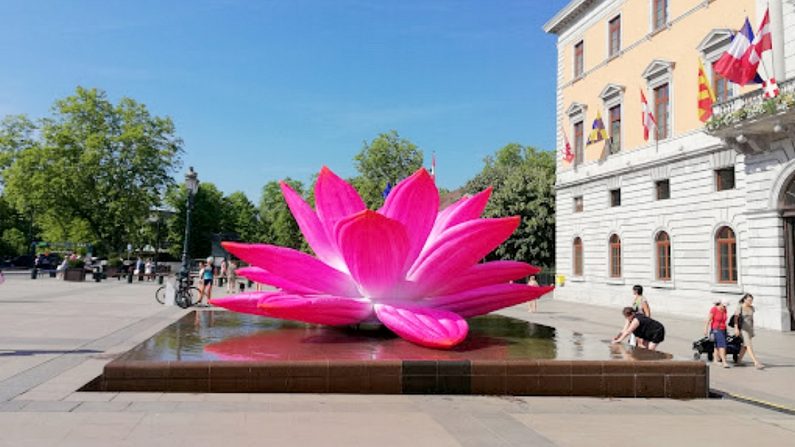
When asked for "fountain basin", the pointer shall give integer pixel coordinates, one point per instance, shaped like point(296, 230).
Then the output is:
point(219, 351)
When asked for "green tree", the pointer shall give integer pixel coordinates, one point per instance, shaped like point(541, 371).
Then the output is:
point(241, 217)
point(207, 219)
point(96, 169)
point(523, 179)
point(14, 229)
point(16, 135)
point(388, 158)
point(278, 225)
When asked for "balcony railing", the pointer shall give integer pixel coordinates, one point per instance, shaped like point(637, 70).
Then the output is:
point(752, 105)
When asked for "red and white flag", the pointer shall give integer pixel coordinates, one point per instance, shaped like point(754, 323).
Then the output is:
point(740, 62)
point(647, 117)
point(568, 155)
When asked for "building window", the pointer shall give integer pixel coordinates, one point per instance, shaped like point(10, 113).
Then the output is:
point(726, 245)
point(614, 28)
point(615, 128)
point(579, 142)
point(663, 189)
point(661, 110)
point(578, 204)
point(615, 256)
point(659, 14)
point(724, 179)
point(663, 244)
point(577, 257)
point(720, 86)
point(615, 197)
point(578, 59)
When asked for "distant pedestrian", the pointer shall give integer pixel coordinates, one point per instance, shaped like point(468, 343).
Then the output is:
point(231, 276)
point(715, 328)
point(650, 332)
point(531, 281)
point(148, 269)
point(744, 326)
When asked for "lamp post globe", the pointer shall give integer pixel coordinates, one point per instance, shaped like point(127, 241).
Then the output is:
point(192, 186)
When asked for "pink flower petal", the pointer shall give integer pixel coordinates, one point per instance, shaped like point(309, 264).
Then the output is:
point(466, 208)
point(312, 229)
point(262, 276)
point(335, 199)
point(460, 247)
point(414, 202)
point(317, 309)
point(433, 328)
point(295, 267)
point(486, 274)
point(487, 299)
point(243, 302)
point(374, 248)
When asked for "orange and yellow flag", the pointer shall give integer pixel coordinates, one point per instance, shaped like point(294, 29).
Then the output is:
point(705, 95)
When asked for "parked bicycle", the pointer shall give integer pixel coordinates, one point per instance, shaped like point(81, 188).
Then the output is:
point(187, 295)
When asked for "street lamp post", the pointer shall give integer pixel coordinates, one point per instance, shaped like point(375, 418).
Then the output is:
point(192, 185)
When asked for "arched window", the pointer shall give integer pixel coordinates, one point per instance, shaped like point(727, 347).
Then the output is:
point(726, 248)
point(663, 250)
point(577, 257)
point(615, 256)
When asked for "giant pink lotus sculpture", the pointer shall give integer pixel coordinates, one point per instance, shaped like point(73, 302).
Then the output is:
point(411, 267)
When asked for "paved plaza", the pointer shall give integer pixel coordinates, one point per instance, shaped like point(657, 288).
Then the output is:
point(56, 336)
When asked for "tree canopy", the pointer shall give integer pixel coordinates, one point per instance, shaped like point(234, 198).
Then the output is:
point(92, 170)
point(388, 158)
point(279, 226)
point(523, 179)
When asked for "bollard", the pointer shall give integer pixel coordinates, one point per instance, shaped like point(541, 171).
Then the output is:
point(97, 275)
point(242, 287)
point(129, 278)
point(34, 272)
point(52, 273)
point(220, 281)
point(160, 279)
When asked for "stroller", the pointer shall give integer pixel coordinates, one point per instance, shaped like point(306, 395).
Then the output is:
point(704, 345)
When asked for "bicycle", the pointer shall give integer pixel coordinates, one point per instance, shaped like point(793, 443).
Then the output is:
point(187, 295)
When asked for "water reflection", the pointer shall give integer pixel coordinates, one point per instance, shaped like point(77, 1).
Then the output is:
point(220, 335)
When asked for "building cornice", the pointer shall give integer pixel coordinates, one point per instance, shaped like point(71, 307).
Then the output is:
point(633, 167)
point(569, 13)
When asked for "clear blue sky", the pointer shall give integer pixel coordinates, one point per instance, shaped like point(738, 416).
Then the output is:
point(261, 90)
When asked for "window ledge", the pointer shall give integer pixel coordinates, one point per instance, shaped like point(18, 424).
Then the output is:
point(616, 281)
point(727, 288)
point(662, 284)
point(576, 279)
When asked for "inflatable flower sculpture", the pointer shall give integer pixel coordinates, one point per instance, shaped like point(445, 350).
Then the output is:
point(408, 265)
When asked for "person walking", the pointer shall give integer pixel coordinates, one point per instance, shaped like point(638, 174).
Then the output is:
point(744, 326)
point(231, 276)
point(715, 328)
point(650, 332)
point(531, 281)
point(206, 283)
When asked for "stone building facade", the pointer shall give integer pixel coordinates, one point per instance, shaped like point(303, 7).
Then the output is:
point(701, 212)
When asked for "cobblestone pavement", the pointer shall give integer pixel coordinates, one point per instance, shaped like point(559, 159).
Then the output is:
point(56, 336)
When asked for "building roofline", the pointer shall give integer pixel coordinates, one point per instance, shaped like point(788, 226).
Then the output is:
point(565, 15)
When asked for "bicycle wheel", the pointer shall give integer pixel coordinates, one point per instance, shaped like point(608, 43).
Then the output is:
point(183, 299)
point(160, 295)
